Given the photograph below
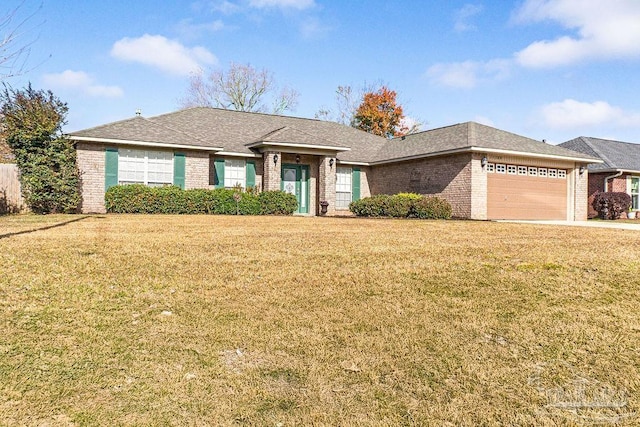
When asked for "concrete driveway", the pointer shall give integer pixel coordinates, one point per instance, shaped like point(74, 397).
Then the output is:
point(598, 224)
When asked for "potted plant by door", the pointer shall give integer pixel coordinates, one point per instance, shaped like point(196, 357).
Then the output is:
point(323, 207)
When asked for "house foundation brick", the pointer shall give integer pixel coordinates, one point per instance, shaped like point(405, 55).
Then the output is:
point(90, 161)
point(448, 177)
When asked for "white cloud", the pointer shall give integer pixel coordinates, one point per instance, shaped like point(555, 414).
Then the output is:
point(283, 4)
point(463, 15)
point(603, 30)
point(160, 52)
point(81, 82)
point(313, 28)
point(188, 29)
point(468, 74)
point(572, 114)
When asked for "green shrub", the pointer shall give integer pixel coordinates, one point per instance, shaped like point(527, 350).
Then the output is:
point(400, 205)
point(277, 203)
point(403, 205)
point(373, 206)
point(31, 123)
point(411, 196)
point(432, 208)
point(138, 198)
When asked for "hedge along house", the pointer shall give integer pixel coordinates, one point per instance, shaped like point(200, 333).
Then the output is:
point(618, 171)
point(485, 173)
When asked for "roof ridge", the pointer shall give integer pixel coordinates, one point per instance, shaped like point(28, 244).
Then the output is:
point(596, 150)
point(295, 129)
point(257, 113)
point(471, 134)
point(270, 133)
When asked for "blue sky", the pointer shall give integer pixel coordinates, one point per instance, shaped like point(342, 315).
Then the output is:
point(547, 69)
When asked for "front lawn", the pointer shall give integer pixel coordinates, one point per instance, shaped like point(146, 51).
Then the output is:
point(214, 320)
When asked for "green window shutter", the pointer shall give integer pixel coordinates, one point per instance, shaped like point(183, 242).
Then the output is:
point(251, 174)
point(110, 168)
point(219, 178)
point(355, 184)
point(178, 169)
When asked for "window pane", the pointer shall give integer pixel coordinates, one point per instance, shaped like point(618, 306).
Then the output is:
point(343, 180)
point(343, 187)
point(131, 166)
point(234, 173)
point(343, 200)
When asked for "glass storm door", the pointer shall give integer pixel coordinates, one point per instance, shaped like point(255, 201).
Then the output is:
point(295, 180)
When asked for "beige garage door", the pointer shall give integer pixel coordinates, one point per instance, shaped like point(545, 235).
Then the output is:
point(521, 192)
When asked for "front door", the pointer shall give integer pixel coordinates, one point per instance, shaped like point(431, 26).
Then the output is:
point(295, 180)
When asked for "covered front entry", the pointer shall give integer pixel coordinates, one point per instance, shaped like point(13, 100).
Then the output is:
point(295, 180)
point(518, 192)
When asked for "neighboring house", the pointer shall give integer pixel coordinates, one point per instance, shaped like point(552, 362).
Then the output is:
point(619, 169)
point(485, 173)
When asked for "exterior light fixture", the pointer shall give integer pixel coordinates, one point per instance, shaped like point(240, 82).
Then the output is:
point(484, 161)
point(275, 159)
point(297, 158)
point(331, 161)
point(582, 169)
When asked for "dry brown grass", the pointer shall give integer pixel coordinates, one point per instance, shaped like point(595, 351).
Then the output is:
point(201, 320)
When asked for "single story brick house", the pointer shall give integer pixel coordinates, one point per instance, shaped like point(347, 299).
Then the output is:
point(485, 173)
point(619, 169)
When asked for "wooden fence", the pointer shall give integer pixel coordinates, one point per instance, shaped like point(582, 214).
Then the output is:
point(10, 197)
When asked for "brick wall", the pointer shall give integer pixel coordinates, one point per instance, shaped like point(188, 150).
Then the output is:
point(272, 170)
point(327, 184)
point(91, 163)
point(596, 184)
point(91, 157)
point(581, 194)
point(478, 187)
point(196, 169)
point(448, 177)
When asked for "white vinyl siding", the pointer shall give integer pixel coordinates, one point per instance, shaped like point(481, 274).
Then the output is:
point(153, 168)
point(235, 173)
point(343, 187)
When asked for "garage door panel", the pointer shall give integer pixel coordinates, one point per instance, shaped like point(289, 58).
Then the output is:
point(526, 197)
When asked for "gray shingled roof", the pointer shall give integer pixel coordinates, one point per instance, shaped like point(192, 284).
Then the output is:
point(616, 155)
point(141, 130)
point(466, 136)
point(236, 131)
point(289, 135)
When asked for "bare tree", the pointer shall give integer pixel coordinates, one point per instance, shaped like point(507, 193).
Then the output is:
point(13, 55)
point(241, 88)
point(347, 102)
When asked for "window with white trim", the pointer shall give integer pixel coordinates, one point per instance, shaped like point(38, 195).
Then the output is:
point(512, 169)
point(562, 174)
point(553, 173)
point(542, 172)
point(491, 167)
point(153, 168)
point(501, 168)
point(235, 173)
point(343, 187)
point(522, 170)
point(634, 191)
point(533, 171)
